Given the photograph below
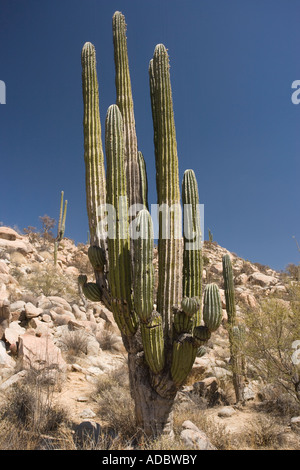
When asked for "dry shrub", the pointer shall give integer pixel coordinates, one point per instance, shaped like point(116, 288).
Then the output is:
point(74, 342)
point(115, 405)
point(108, 340)
point(48, 280)
point(32, 410)
point(265, 433)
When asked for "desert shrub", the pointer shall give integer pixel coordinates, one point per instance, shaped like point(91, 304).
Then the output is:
point(48, 280)
point(74, 342)
point(272, 330)
point(293, 271)
point(108, 340)
point(32, 409)
point(264, 433)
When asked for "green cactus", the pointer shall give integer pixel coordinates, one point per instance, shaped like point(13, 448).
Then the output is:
point(61, 225)
point(144, 180)
point(91, 290)
point(153, 343)
point(192, 261)
point(124, 102)
point(97, 257)
point(212, 307)
point(168, 193)
point(119, 246)
point(234, 333)
point(160, 327)
point(93, 150)
point(144, 273)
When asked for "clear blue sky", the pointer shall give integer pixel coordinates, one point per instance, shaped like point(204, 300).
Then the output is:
point(232, 66)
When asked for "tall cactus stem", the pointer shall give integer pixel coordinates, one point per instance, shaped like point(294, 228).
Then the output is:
point(119, 244)
point(192, 254)
point(93, 150)
point(124, 102)
point(144, 181)
point(167, 181)
point(143, 286)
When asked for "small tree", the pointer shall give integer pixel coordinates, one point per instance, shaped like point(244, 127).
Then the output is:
point(273, 335)
point(47, 225)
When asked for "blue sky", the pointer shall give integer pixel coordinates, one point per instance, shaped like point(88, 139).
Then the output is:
point(232, 66)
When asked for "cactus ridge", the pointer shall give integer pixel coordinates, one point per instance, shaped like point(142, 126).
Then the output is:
point(212, 307)
point(201, 334)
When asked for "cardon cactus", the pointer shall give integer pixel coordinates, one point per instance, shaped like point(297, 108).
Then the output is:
point(61, 225)
point(235, 333)
point(160, 325)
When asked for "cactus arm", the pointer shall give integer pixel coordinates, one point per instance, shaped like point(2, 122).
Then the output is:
point(153, 343)
point(212, 307)
point(168, 193)
point(119, 245)
point(93, 151)
point(143, 285)
point(192, 258)
point(144, 181)
point(124, 102)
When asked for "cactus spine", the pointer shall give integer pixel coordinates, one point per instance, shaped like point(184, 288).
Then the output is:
point(234, 340)
point(61, 225)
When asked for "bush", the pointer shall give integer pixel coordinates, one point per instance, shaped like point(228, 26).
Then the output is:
point(272, 330)
point(48, 280)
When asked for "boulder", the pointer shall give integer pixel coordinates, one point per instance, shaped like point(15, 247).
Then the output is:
point(60, 302)
point(194, 438)
point(31, 311)
point(5, 359)
point(7, 233)
point(13, 332)
point(39, 353)
point(226, 412)
point(209, 390)
point(262, 280)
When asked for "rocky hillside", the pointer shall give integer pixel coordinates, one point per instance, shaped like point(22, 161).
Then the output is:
point(46, 324)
